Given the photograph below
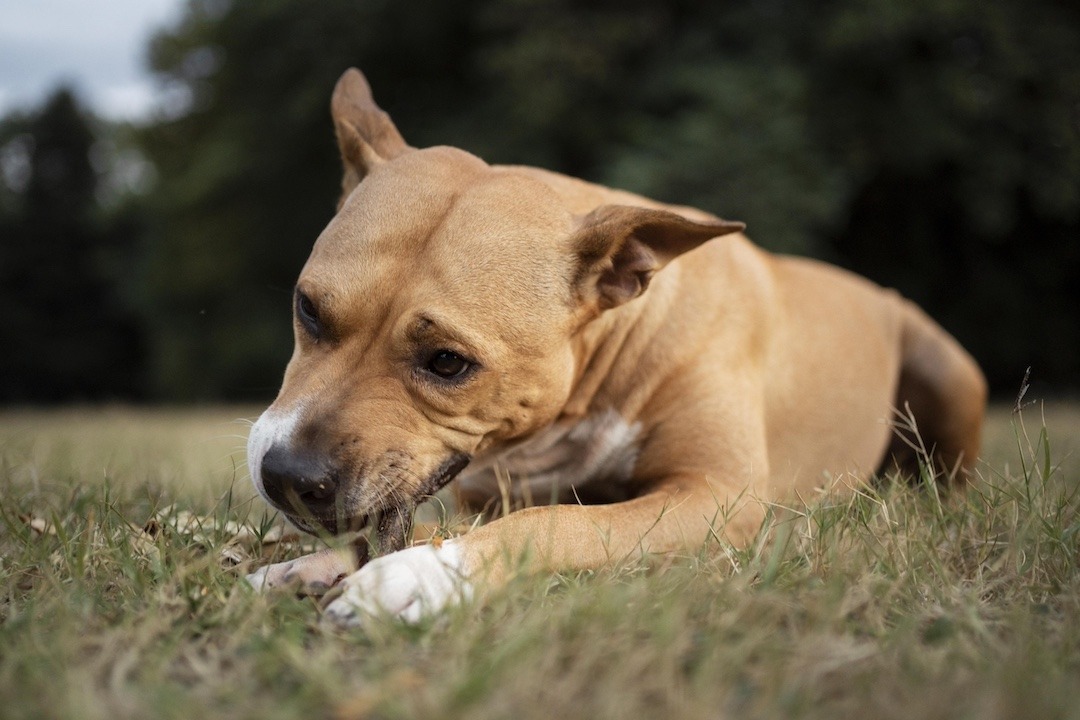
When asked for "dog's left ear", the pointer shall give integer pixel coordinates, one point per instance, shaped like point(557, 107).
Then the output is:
point(366, 135)
point(621, 247)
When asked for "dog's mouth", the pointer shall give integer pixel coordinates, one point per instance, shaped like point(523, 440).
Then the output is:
point(326, 524)
point(391, 521)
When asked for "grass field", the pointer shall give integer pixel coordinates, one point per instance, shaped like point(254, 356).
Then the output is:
point(117, 602)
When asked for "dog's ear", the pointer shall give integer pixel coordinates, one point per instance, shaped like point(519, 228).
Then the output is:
point(621, 247)
point(365, 133)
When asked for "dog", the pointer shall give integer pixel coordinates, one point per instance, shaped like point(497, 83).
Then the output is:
point(634, 376)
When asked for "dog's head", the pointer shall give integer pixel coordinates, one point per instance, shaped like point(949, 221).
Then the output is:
point(437, 318)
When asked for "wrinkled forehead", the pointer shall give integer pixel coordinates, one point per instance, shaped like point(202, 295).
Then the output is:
point(397, 206)
point(443, 216)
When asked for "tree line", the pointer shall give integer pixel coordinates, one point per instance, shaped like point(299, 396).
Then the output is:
point(933, 146)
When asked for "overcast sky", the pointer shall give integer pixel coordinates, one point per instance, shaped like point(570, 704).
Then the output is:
point(98, 45)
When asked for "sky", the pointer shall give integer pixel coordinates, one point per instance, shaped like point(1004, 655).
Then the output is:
point(97, 45)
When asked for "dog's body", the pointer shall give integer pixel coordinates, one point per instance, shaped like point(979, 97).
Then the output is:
point(457, 313)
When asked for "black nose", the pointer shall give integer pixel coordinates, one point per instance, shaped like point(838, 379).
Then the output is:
point(297, 481)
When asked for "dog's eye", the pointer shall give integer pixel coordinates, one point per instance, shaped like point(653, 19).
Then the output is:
point(447, 364)
point(308, 314)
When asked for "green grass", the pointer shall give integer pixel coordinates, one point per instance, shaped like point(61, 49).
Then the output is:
point(897, 603)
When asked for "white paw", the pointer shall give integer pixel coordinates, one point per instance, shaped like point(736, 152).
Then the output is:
point(409, 585)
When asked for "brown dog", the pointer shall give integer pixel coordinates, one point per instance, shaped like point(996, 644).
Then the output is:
point(642, 363)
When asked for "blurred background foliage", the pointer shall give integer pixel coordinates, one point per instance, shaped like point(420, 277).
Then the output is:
point(931, 145)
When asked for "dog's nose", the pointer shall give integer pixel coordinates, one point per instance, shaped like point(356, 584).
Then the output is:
point(290, 477)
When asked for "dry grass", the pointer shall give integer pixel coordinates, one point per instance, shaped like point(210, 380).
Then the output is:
point(895, 603)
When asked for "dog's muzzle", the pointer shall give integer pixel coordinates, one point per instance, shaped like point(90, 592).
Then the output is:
point(308, 488)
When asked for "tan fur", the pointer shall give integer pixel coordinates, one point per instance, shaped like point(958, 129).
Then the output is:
point(733, 376)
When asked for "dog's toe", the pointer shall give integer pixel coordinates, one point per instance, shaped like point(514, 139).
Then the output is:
point(340, 614)
point(408, 585)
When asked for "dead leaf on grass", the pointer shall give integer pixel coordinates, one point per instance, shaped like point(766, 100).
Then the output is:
point(238, 542)
point(40, 526)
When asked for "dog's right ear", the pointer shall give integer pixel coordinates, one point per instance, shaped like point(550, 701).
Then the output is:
point(365, 133)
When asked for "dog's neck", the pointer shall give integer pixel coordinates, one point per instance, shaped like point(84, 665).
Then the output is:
point(617, 337)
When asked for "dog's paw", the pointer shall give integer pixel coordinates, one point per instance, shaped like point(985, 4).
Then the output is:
point(311, 574)
point(408, 585)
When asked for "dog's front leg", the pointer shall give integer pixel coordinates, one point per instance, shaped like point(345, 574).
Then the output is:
point(425, 579)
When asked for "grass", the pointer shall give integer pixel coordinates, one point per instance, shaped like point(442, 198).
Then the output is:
point(115, 602)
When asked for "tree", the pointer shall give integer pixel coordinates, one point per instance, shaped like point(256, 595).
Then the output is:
point(65, 331)
point(249, 173)
point(958, 126)
point(932, 146)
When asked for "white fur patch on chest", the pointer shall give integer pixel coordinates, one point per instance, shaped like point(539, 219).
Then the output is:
point(564, 458)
